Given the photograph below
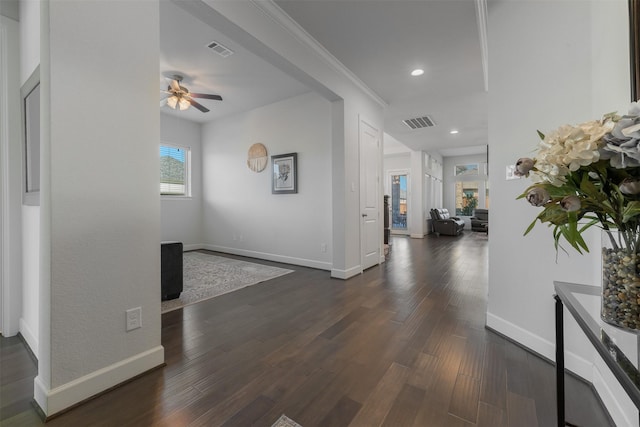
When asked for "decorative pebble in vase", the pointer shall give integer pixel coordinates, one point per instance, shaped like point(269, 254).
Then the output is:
point(620, 281)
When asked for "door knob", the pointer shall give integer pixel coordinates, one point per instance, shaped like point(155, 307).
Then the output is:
point(363, 215)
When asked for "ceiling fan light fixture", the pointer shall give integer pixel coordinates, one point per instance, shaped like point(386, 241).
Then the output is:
point(178, 102)
point(172, 101)
point(183, 104)
point(180, 98)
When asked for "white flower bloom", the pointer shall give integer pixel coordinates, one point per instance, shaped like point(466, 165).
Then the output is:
point(568, 148)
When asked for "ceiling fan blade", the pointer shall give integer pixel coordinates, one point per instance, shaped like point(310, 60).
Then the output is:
point(199, 106)
point(205, 96)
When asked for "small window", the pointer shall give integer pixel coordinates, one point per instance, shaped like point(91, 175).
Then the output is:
point(468, 169)
point(175, 170)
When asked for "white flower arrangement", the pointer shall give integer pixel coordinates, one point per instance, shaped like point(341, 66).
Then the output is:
point(586, 175)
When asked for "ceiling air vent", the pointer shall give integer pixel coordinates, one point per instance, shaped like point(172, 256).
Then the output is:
point(220, 49)
point(419, 122)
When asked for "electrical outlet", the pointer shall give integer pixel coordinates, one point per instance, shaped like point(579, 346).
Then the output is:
point(323, 247)
point(134, 318)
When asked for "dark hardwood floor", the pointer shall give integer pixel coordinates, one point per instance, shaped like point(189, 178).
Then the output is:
point(403, 344)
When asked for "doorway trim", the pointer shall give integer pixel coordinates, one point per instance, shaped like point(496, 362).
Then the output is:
point(10, 170)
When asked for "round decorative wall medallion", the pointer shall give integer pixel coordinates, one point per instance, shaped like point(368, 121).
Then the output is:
point(257, 159)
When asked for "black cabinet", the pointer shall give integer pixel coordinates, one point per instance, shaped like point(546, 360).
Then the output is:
point(171, 270)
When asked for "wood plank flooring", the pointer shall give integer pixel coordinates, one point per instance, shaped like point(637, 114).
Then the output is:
point(403, 344)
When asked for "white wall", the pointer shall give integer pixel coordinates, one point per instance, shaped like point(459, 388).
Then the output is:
point(29, 37)
point(417, 221)
point(100, 230)
point(181, 217)
point(395, 162)
point(241, 215)
point(587, 44)
point(267, 30)
point(518, 44)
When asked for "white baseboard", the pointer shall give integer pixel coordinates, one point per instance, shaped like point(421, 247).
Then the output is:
point(192, 247)
point(610, 401)
point(574, 363)
point(346, 274)
point(522, 336)
point(417, 236)
point(29, 337)
point(53, 401)
point(321, 265)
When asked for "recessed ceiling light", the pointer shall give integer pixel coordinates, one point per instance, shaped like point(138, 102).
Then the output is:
point(453, 131)
point(417, 72)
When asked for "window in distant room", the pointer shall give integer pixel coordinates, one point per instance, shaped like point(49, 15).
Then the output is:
point(466, 197)
point(467, 169)
point(175, 170)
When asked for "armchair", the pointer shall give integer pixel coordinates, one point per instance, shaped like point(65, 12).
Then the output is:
point(480, 220)
point(443, 223)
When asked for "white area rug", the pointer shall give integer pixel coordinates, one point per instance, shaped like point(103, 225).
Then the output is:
point(207, 276)
point(284, 421)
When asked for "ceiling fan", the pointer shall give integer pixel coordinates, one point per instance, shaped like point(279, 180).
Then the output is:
point(180, 98)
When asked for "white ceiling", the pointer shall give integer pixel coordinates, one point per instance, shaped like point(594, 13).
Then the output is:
point(244, 80)
point(379, 41)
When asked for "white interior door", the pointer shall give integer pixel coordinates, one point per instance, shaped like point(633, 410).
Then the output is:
point(370, 229)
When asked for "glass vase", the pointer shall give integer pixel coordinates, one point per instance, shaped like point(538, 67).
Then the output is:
point(620, 281)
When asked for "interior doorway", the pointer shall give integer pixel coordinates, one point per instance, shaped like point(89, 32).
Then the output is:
point(399, 185)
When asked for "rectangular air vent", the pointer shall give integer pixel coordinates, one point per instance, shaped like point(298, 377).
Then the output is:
point(419, 122)
point(220, 49)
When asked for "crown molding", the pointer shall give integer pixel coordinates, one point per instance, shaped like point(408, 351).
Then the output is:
point(276, 14)
point(482, 18)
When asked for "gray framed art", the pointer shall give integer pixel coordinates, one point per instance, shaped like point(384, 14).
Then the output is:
point(285, 173)
point(30, 108)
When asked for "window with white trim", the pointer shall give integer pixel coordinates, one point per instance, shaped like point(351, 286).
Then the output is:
point(175, 170)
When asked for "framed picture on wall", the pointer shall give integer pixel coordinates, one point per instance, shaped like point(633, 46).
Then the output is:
point(30, 108)
point(285, 173)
